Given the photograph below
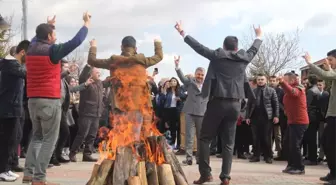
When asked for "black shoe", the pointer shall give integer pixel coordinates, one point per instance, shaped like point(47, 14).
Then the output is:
point(296, 172)
point(23, 155)
point(241, 156)
point(50, 165)
point(61, 159)
point(319, 160)
point(268, 160)
point(219, 155)
point(254, 159)
point(213, 153)
point(311, 163)
point(72, 157)
point(17, 168)
point(327, 178)
point(89, 158)
point(54, 161)
point(288, 168)
point(187, 162)
point(279, 159)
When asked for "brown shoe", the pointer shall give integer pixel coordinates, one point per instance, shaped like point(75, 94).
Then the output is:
point(88, 158)
point(27, 180)
point(44, 183)
point(180, 152)
point(202, 180)
point(225, 182)
point(72, 157)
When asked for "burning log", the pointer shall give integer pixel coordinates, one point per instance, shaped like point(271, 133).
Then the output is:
point(134, 180)
point(152, 177)
point(100, 172)
point(123, 164)
point(166, 176)
point(142, 172)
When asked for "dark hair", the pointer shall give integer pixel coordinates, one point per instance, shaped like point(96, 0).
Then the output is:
point(23, 45)
point(290, 74)
point(230, 43)
point(177, 86)
point(260, 75)
point(321, 81)
point(305, 78)
point(69, 78)
point(43, 30)
point(332, 53)
point(63, 61)
point(128, 41)
point(312, 79)
point(12, 51)
point(273, 76)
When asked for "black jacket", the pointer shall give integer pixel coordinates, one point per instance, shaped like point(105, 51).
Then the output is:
point(313, 95)
point(11, 88)
point(271, 103)
point(226, 75)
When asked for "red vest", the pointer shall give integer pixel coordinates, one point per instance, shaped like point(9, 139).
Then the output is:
point(43, 77)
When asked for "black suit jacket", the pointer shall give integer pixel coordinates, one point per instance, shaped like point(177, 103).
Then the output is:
point(226, 76)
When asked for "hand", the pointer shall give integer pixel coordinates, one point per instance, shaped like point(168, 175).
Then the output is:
point(177, 98)
point(257, 31)
point(155, 73)
point(157, 39)
point(275, 120)
point(307, 58)
point(189, 75)
point(51, 21)
point(87, 18)
point(178, 27)
point(177, 61)
point(248, 121)
point(89, 81)
point(326, 65)
point(93, 43)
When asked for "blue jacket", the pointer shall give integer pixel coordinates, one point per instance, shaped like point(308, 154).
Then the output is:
point(11, 88)
point(167, 98)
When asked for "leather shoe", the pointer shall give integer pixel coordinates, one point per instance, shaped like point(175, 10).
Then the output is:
point(54, 161)
point(89, 158)
point(61, 159)
point(17, 168)
point(203, 180)
point(72, 157)
point(225, 182)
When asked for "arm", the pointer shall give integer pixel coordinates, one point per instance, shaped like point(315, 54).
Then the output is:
point(275, 104)
point(64, 74)
point(77, 88)
point(156, 58)
point(199, 48)
point(253, 50)
point(186, 81)
point(59, 51)
point(291, 91)
point(154, 88)
point(85, 74)
point(99, 63)
point(326, 75)
point(310, 97)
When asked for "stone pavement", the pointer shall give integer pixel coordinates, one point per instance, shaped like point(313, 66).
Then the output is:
point(243, 173)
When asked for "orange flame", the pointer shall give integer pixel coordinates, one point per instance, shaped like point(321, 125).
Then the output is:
point(133, 99)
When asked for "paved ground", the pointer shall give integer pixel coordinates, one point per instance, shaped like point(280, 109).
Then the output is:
point(243, 173)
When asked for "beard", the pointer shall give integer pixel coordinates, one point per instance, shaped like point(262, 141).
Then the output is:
point(23, 60)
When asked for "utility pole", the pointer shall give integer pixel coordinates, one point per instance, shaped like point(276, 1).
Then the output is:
point(24, 20)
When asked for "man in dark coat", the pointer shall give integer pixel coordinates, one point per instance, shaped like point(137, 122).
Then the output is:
point(11, 109)
point(224, 86)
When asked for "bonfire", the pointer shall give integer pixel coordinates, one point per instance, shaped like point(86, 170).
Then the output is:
point(135, 153)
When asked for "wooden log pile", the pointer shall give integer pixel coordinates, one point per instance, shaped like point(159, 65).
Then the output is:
point(134, 165)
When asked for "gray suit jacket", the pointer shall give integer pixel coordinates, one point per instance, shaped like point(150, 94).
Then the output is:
point(195, 103)
point(226, 75)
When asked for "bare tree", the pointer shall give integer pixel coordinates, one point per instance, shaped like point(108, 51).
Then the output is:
point(77, 59)
point(6, 37)
point(277, 53)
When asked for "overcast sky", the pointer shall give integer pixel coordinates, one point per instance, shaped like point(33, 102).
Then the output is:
point(209, 21)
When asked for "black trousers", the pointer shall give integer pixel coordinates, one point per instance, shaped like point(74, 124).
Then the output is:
point(8, 139)
point(329, 144)
point(213, 145)
point(293, 138)
point(219, 144)
point(242, 139)
point(220, 117)
point(172, 117)
point(283, 127)
point(311, 141)
point(27, 130)
point(19, 133)
point(262, 131)
point(63, 135)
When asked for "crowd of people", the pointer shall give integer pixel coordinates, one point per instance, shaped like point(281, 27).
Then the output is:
point(47, 115)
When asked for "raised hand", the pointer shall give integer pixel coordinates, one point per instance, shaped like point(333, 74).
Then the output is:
point(87, 18)
point(157, 39)
point(93, 43)
point(178, 27)
point(177, 61)
point(326, 65)
point(51, 21)
point(257, 31)
point(89, 81)
point(307, 58)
